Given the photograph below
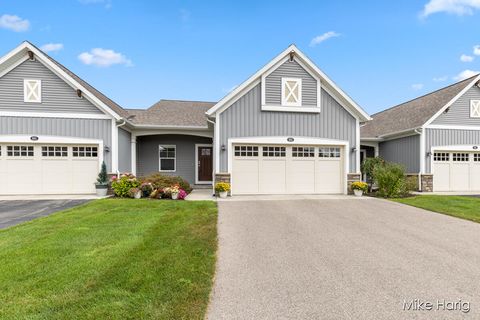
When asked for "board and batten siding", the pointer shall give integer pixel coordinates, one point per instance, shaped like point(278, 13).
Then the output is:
point(148, 154)
point(290, 69)
point(124, 151)
point(459, 111)
point(246, 119)
point(449, 137)
point(404, 151)
point(57, 95)
point(76, 128)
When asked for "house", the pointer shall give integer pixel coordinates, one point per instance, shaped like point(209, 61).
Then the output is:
point(436, 137)
point(287, 129)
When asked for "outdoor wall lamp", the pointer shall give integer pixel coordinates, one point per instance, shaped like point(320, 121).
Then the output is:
point(429, 154)
point(223, 147)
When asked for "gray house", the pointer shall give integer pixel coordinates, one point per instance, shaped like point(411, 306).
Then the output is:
point(287, 129)
point(436, 137)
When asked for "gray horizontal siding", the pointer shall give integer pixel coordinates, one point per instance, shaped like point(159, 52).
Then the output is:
point(245, 119)
point(459, 111)
point(124, 151)
point(273, 84)
point(57, 96)
point(404, 151)
point(449, 137)
point(76, 128)
point(148, 154)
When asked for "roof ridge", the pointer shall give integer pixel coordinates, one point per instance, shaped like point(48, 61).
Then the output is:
point(181, 100)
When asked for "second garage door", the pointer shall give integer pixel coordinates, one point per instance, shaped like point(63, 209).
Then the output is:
point(274, 169)
point(456, 171)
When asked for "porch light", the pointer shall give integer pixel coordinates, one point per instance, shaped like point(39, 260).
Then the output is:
point(106, 149)
point(354, 149)
point(223, 147)
point(429, 154)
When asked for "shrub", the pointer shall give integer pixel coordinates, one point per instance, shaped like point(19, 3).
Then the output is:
point(222, 187)
point(161, 181)
point(368, 168)
point(102, 176)
point(360, 185)
point(121, 186)
point(391, 181)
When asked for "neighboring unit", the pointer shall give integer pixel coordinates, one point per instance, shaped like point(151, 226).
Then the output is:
point(436, 137)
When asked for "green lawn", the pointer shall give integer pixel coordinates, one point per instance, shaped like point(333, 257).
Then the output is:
point(111, 259)
point(457, 206)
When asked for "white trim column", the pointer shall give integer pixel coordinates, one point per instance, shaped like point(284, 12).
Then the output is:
point(133, 153)
point(357, 147)
point(114, 147)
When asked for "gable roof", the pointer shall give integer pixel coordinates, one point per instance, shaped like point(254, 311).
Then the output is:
point(173, 113)
point(415, 113)
point(346, 101)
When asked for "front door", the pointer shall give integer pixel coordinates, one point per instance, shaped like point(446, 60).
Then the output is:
point(205, 163)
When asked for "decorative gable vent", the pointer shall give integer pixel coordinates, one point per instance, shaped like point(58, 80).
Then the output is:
point(32, 90)
point(475, 108)
point(291, 92)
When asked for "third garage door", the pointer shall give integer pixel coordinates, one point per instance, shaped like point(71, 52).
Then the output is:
point(456, 171)
point(276, 169)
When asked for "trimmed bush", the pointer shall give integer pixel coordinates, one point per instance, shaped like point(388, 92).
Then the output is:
point(121, 186)
point(391, 181)
point(161, 181)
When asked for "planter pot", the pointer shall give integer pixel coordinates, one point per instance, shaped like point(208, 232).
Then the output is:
point(174, 196)
point(101, 190)
point(137, 195)
point(358, 193)
point(223, 194)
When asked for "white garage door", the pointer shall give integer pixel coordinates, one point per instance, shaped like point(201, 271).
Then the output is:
point(265, 169)
point(456, 171)
point(48, 169)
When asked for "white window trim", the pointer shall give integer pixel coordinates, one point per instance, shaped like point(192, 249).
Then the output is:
point(25, 89)
point(174, 159)
point(299, 98)
point(197, 145)
point(475, 104)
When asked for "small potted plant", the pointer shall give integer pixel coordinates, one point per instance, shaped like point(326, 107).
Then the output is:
point(147, 189)
point(222, 189)
point(174, 191)
point(101, 186)
point(359, 187)
point(135, 193)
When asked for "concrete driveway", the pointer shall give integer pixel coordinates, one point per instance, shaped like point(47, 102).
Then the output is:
point(13, 212)
point(344, 259)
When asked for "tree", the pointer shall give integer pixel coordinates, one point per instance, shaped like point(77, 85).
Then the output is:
point(102, 176)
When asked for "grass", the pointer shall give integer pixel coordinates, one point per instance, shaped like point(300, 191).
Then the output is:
point(457, 206)
point(111, 259)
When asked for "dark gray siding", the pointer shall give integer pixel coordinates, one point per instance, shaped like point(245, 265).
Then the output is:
point(459, 112)
point(57, 96)
point(124, 151)
point(77, 128)
point(245, 119)
point(405, 151)
point(448, 137)
point(273, 84)
point(147, 154)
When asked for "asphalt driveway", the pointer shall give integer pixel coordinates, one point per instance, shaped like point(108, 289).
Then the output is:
point(344, 259)
point(13, 212)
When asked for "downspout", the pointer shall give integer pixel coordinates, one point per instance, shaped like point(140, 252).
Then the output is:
point(215, 150)
point(419, 131)
point(118, 126)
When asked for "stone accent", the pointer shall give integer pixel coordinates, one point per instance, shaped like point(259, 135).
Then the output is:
point(427, 182)
point(222, 177)
point(351, 178)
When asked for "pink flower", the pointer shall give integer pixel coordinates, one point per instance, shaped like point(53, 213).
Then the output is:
point(181, 194)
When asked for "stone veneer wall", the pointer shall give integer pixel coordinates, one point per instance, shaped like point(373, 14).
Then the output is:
point(427, 182)
point(351, 178)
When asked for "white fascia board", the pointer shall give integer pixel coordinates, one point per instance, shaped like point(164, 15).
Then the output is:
point(468, 148)
point(450, 127)
point(400, 134)
point(54, 115)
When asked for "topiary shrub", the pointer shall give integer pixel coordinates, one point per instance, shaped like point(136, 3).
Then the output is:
point(161, 181)
point(391, 181)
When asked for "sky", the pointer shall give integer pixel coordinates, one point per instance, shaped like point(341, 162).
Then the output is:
point(381, 53)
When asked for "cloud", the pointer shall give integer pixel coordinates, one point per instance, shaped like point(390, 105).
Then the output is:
point(466, 58)
point(104, 58)
point(52, 47)
point(14, 23)
point(465, 74)
point(476, 50)
point(440, 79)
point(417, 86)
point(107, 3)
point(319, 39)
point(457, 7)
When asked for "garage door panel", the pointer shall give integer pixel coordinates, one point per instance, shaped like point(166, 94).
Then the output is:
point(84, 175)
point(24, 176)
point(475, 176)
point(3, 176)
point(56, 176)
point(327, 176)
point(301, 177)
point(247, 180)
point(272, 175)
point(459, 177)
point(441, 178)
point(456, 171)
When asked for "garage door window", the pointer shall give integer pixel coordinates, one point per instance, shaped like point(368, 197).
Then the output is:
point(303, 152)
point(246, 151)
point(85, 152)
point(168, 158)
point(20, 151)
point(476, 157)
point(54, 151)
point(329, 152)
point(460, 157)
point(441, 156)
point(274, 151)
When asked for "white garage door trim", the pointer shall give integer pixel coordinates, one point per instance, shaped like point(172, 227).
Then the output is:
point(286, 141)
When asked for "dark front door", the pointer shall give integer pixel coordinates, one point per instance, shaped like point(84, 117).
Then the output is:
point(205, 163)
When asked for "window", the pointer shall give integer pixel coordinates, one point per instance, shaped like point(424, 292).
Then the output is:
point(54, 151)
point(32, 90)
point(441, 156)
point(303, 152)
point(460, 157)
point(291, 92)
point(85, 152)
point(246, 151)
point(474, 108)
point(274, 151)
point(476, 157)
point(167, 158)
point(20, 151)
point(328, 152)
